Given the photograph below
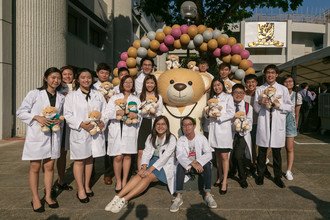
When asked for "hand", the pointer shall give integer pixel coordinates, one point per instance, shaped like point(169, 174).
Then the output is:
point(142, 170)
point(197, 166)
point(120, 112)
point(132, 115)
point(87, 126)
point(56, 121)
point(42, 120)
point(101, 125)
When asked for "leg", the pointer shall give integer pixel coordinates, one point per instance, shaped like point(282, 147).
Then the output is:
point(61, 165)
point(126, 168)
point(219, 167)
point(34, 182)
point(225, 168)
point(289, 151)
point(254, 147)
point(117, 167)
point(48, 165)
point(261, 165)
point(207, 176)
point(78, 172)
point(141, 186)
point(277, 162)
point(88, 173)
point(139, 159)
point(180, 174)
point(239, 155)
point(130, 185)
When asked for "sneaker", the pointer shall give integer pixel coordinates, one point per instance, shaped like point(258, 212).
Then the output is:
point(113, 201)
point(177, 202)
point(211, 203)
point(118, 205)
point(289, 175)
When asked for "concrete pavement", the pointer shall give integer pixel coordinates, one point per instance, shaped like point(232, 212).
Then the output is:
point(306, 197)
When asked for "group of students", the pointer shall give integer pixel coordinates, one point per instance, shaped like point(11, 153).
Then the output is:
point(161, 157)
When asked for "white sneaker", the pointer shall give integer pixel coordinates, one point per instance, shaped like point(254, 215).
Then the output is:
point(211, 203)
point(289, 175)
point(109, 206)
point(118, 205)
point(177, 202)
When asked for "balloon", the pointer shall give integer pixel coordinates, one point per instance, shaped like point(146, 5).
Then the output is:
point(216, 34)
point(222, 40)
point(137, 44)
point(233, 68)
point(159, 30)
point(239, 74)
point(207, 35)
point(142, 52)
point(231, 41)
point(191, 45)
point(192, 31)
point(177, 44)
point(133, 71)
point(225, 49)
point(250, 70)
point(184, 29)
point(235, 59)
point(245, 54)
point(160, 36)
point(244, 64)
point(184, 39)
point(151, 53)
point(151, 35)
point(115, 81)
point(124, 56)
point(198, 39)
point(236, 49)
point(224, 35)
point(131, 62)
point(145, 42)
point(132, 52)
point(163, 48)
point(237, 81)
point(121, 64)
point(212, 44)
point(226, 59)
point(250, 63)
point(176, 26)
point(154, 45)
point(217, 52)
point(176, 33)
point(201, 28)
point(167, 30)
point(169, 40)
point(115, 72)
point(203, 47)
point(138, 61)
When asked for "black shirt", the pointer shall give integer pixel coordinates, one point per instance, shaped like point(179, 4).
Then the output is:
point(52, 98)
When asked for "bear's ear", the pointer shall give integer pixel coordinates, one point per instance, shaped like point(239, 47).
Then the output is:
point(157, 74)
point(207, 80)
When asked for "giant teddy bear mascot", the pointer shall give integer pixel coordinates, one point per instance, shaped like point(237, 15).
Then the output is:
point(184, 94)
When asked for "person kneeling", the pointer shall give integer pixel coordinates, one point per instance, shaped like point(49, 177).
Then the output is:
point(157, 164)
point(194, 156)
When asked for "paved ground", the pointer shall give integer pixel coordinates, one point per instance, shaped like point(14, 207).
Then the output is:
point(306, 197)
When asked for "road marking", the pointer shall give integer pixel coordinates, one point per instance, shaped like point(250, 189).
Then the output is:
point(313, 143)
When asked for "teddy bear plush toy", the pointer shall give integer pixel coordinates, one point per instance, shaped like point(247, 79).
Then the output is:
point(131, 108)
point(149, 106)
point(51, 113)
point(94, 118)
point(270, 94)
point(106, 88)
point(172, 62)
point(240, 122)
point(228, 86)
point(120, 105)
point(192, 66)
point(213, 108)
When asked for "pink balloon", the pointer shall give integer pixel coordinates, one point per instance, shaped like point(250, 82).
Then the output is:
point(124, 56)
point(245, 54)
point(217, 52)
point(163, 48)
point(236, 49)
point(225, 49)
point(121, 64)
point(176, 33)
point(169, 40)
point(184, 28)
point(250, 63)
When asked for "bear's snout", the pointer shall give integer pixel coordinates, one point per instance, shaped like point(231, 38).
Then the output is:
point(180, 86)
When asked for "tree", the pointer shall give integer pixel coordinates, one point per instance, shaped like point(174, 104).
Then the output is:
point(213, 13)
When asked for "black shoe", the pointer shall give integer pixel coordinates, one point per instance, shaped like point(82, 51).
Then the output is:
point(217, 184)
point(40, 209)
point(260, 180)
point(243, 184)
point(223, 192)
point(90, 194)
point(84, 200)
point(267, 174)
point(52, 206)
point(279, 182)
point(64, 186)
point(117, 190)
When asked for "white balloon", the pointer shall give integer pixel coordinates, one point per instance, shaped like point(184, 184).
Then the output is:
point(138, 60)
point(198, 39)
point(216, 33)
point(142, 52)
point(239, 74)
point(233, 69)
point(191, 45)
point(224, 35)
point(151, 35)
point(145, 42)
point(159, 30)
point(207, 35)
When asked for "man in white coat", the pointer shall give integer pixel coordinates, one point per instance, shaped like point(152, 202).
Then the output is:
point(194, 155)
point(147, 66)
point(271, 124)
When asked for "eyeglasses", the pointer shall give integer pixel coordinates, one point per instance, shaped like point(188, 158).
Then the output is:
point(238, 93)
point(187, 125)
point(127, 83)
point(147, 64)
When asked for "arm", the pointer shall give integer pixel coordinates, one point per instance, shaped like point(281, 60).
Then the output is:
point(147, 152)
point(110, 110)
point(286, 106)
point(24, 111)
point(206, 152)
point(170, 148)
point(230, 110)
point(72, 121)
point(256, 105)
point(160, 106)
point(249, 119)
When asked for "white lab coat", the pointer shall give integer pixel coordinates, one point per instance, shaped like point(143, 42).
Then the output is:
point(76, 109)
point(139, 83)
point(246, 134)
point(125, 141)
point(220, 130)
point(166, 159)
point(39, 145)
point(274, 137)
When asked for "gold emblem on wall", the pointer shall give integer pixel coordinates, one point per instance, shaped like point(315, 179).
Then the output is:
point(266, 36)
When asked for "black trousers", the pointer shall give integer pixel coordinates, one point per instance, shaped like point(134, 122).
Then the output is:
point(277, 161)
point(238, 156)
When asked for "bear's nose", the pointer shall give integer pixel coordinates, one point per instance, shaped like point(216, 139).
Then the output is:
point(180, 86)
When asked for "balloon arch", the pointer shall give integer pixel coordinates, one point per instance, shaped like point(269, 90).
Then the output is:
point(200, 38)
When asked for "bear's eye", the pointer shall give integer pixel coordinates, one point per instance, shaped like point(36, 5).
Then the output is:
point(190, 83)
point(172, 81)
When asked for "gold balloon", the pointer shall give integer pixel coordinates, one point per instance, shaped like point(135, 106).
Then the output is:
point(203, 47)
point(236, 81)
point(226, 59)
point(177, 44)
point(222, 40)
point(167, 30)
point(115, 72)
point(250, 70)
point(241, 45)
point(212, 44)
point(154, 45)
point(115, 81)
point(235, 59)
point(201, 28)
point(137, 44)
point(176, 26)
point(151, 53)
point(133, 71)
point(160, 37)
point(131, 62)
point(192, 31)
point(132, 52)
point(184, 39)
point(231, 41)
point(244, 64)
